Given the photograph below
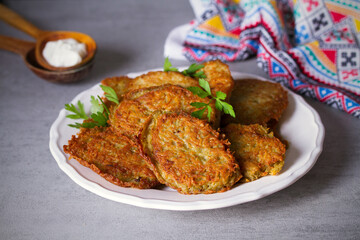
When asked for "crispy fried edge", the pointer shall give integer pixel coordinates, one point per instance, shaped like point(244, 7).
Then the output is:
point(151, 76)
point(152, 162)
point(142, 184)
point(119, 84)
point(234, 129)
point(219, 77)
point(139, 94)
point(131, 130)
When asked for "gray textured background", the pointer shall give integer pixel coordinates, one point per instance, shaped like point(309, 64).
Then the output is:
point(39, 201)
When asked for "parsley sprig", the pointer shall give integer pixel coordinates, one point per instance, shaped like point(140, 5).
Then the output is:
point(192, 71)
point(99, 111)
point(203, 91)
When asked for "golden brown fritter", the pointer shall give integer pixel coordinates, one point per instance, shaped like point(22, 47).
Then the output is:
point(152, 79)
point(170, 98)
point(129, 118)
point(186, 154)
point(139, 105)
point(119, 84)
point(217, 74)
point(219, 77)
point(114, 157)
point(256, 101)
point(258, 152)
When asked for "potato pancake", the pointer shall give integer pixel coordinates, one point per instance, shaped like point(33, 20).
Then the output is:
point(170, 98)
point(139, 105)
point(258, 152)
point(119, 84)
point(217, 74)
point(186, 154)
point(129, 118)
point(256, 101)
point(114, 157)
point(159, 78)
point(219, 77)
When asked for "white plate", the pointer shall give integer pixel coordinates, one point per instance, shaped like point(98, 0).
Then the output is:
point(300, 126)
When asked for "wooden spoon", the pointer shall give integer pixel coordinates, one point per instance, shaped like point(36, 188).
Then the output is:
point(27, 51)
point(42, 37)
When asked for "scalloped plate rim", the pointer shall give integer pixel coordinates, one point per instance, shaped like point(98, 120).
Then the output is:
point(204, 202)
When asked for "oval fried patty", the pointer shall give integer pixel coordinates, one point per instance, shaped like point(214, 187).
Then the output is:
point(114, 157)
point(152, 79)
point(139, 105)
point(129, 118)
point(258, 152)
point(217, 74)
point(219, 77)
point(119, 84)
point(188, 155)
point(256, 101)
point(169, 98)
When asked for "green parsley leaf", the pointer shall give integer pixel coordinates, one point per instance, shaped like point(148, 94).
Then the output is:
point(79, 113)
point(209, 112)
point(168, 66)
point(205, 85)
point(192, 69)
point(95, 105)
point(99, 118)
point(220, 95)
point(219, 103)
point(88, 124)
point(99, 111)
point(83, 125)
point(107, 112)
point(198, 104)
point(228, 109)
point(110, 94)
point(199, 74)
point(76, 125)
point(198, 91)
point(199, 113)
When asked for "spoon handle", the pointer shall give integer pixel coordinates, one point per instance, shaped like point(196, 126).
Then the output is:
point(19, 22)
point(16, 45)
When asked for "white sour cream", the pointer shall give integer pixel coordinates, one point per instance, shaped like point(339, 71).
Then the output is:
point(64, 52)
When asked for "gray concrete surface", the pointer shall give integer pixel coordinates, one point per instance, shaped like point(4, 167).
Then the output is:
point(39, 201)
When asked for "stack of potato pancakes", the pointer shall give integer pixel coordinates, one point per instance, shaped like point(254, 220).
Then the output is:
point(152, 140)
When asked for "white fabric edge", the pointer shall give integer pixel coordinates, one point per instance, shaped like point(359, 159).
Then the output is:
point(174, 42)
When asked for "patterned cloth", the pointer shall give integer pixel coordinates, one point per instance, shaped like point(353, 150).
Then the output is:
point(310, 46)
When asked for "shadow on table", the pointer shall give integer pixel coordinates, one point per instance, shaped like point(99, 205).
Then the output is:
point(108, 63)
